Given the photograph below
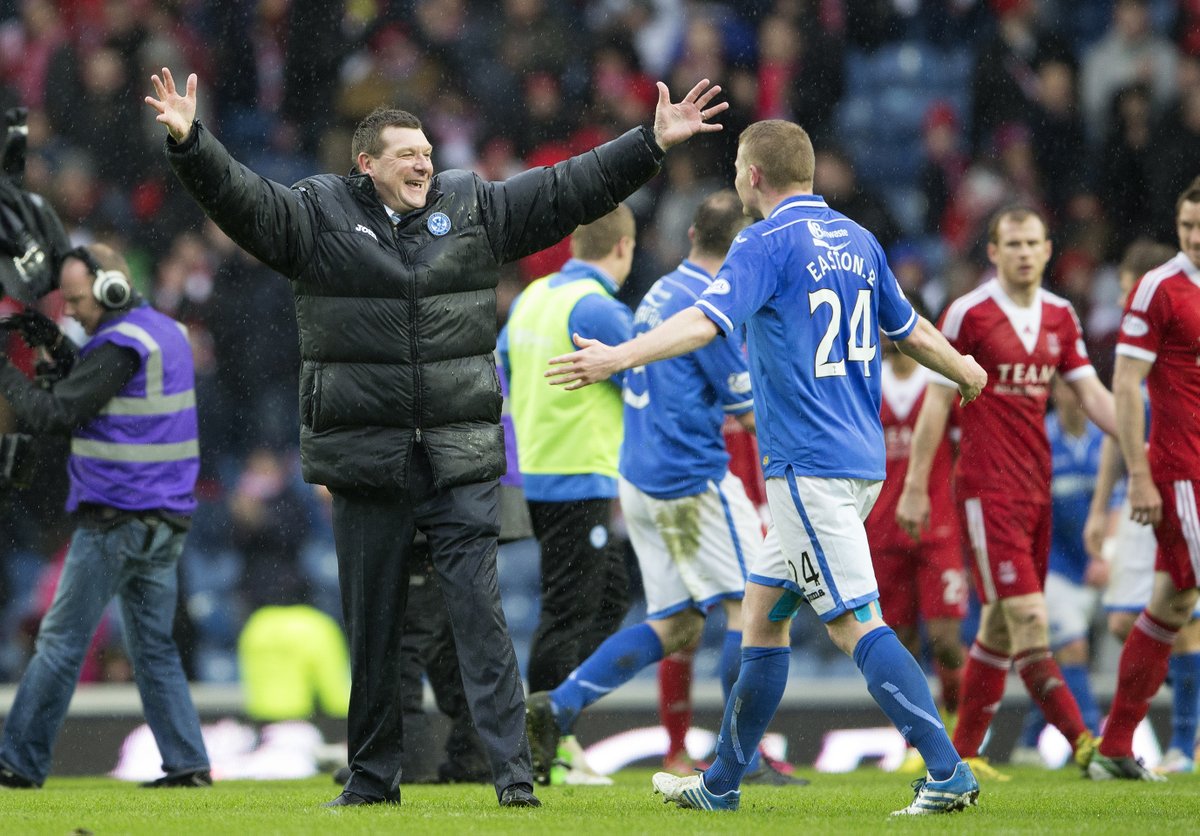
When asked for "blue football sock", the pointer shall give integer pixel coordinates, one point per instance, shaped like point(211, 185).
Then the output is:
point(614, 663)
point(1185, 685)
point(731, 664)
point(1034, 725)
point(731, 661)
point(899, 686)
point(750, 707)
point(1080, 683)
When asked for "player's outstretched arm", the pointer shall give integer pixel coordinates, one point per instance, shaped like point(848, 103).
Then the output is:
point(685, 331)
point(931, 349)
point(175, 111)
point(913, 507)
point(1144, 499)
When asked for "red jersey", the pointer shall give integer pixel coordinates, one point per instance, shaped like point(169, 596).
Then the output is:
point(899, 408)
point(1162, 327)
point(1004, 449)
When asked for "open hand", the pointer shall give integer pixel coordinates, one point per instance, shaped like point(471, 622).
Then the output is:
point(594, 362)
point(673, 123)
point(175, 111)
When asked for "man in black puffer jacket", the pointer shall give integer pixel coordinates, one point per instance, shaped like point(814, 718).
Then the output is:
point(394, 273)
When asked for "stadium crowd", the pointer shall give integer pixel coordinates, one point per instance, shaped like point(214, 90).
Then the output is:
point(928, 115)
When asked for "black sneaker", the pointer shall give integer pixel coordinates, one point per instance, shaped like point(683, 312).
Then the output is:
point(1104, 768)
point(195, 778)
point(13, 781)
point(767, 774)
point(519, 795)
point(542, 730)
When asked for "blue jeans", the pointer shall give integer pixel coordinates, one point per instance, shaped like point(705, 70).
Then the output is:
point(136, 561)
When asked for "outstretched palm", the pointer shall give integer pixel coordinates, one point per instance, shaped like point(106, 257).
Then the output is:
point(174, 111)
point(675, 122)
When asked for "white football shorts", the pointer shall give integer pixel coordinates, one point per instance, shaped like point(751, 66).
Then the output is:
point(816, 547)
point(1131, 573)
point(1072, 607)
point(694, 550)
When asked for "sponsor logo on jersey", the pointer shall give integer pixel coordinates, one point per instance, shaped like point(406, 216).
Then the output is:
point(816, 230)
point(438, 223)
point(366, 230)
point(1134, 326)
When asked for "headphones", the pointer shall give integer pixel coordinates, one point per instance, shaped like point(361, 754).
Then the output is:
point(111, 288)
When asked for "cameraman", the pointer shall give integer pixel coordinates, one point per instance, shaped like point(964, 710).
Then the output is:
point(129, 407)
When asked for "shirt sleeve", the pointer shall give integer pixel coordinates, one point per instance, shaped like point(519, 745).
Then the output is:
point(723, 363)
point(744, 283)
point(1141, 332)
point(78, 398)
point(1073, 363)
point(601, 318)
point(897, 318)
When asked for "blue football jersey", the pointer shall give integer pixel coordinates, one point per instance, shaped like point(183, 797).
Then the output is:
point(1076, 461)
point(814, 290)
point(674, 409)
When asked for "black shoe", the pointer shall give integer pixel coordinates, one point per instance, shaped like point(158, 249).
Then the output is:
point(353, 799)
point(768, 775)
point(542, 731)
point(195, 778)
point(13, 781)
point(342, 775)
point(519, 795)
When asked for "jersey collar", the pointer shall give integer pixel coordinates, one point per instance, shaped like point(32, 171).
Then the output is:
point(807, 201)
point(576, 269)
point(694, 270)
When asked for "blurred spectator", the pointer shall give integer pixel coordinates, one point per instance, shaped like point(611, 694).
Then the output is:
point(836, 181)
point(799, 75)
point(1004, 82)
point(270, 523)
point(944, 164)
point(1175, 161)
point(1130, 53)
point(1123, 167)
point(1059, 149)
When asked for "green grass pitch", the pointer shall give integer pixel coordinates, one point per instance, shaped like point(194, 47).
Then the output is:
point(1035, 801)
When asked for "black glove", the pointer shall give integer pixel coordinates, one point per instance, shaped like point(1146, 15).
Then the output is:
point(36, 329)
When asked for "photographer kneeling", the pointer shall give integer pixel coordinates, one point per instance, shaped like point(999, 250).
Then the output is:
point(129, 406)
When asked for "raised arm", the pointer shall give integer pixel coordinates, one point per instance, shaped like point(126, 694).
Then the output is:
point(175, 111)
point(540, 207)
point(268, 220)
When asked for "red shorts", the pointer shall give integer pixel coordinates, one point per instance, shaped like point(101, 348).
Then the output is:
point(921, 582)
point(1010, 545)
point(1178, 534)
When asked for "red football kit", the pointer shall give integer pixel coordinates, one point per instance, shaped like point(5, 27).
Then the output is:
point(1162, 327)
point(917, 580)
point(1002, 476)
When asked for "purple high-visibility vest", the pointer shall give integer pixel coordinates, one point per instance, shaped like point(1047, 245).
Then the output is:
point(142, 451)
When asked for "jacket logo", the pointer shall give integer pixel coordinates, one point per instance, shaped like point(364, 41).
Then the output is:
point(438, 223)
point(366, 230)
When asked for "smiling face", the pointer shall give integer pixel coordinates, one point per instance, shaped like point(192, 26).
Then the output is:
point(403, 169)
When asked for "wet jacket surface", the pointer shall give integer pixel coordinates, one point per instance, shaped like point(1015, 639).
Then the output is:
point(398, 323)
